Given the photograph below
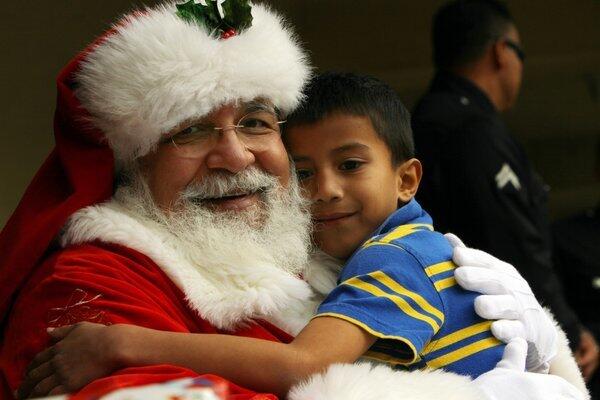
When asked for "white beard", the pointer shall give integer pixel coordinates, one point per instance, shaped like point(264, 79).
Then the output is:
point(232, 267)
point(276, 231)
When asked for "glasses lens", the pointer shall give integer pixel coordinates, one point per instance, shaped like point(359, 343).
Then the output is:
point(190, 141)
point(258, 123)
point(191, 135)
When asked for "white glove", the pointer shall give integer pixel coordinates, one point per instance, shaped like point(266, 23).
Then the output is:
point(507, 297)
point(509, 381)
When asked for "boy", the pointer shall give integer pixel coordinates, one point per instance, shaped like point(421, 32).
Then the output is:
point(397, 301)
point(353, 149)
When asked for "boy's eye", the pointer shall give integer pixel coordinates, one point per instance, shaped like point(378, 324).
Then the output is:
point(303, 174)
point(350, 165)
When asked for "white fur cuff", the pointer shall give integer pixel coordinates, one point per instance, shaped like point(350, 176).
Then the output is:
point(364, 381)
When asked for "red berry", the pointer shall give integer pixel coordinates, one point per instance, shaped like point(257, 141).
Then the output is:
point(228, 33)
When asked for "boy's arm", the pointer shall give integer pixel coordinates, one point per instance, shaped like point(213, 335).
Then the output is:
point(254, 363)
point(87, 351)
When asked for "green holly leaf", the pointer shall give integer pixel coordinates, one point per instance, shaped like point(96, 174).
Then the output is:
point(238, 14)
point(206, 16)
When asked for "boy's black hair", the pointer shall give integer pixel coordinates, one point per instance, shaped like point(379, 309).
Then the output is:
point(360, 95)
point(463, 29)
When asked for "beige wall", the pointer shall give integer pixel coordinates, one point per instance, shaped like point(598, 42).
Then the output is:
point(557, 118)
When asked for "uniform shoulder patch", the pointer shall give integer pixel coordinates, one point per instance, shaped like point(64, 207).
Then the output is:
point(505, 176)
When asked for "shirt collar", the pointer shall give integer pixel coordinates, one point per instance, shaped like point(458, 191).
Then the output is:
point(447, 81)
point(411, 212)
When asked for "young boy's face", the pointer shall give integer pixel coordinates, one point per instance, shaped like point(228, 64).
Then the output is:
point(347, 171)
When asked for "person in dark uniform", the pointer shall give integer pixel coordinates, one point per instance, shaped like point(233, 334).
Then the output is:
point(577, 258)
point(478, 181)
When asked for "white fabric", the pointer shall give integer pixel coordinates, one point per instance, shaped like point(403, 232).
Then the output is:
point(508, 381)
point(508, 298)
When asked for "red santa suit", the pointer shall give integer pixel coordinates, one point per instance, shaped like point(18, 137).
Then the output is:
point(94, 278)
point(70, 253)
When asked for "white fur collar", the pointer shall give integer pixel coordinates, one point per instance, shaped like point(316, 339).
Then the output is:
point(227, 297)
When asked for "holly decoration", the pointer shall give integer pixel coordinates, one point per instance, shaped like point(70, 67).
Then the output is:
point(222, 18)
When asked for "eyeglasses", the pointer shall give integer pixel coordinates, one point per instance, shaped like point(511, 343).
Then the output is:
point(516, 48)
point(254, 129)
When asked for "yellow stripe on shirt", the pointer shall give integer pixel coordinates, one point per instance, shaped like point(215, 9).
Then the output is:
point(404, 230)
point(376, 243)
point(463, 352)
point(387, 281)
point(397, 300)
point(439, 268)
point(457, 336)
point(386, 358)
point(444, 283)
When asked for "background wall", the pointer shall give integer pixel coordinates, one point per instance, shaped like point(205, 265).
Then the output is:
point(557, 117)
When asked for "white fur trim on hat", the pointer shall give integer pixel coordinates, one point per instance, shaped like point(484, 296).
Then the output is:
point(157, 71)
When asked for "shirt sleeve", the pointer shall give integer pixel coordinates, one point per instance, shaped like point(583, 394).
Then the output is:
point(385, 291)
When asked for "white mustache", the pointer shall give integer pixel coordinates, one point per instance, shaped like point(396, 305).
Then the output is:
point(224, 184)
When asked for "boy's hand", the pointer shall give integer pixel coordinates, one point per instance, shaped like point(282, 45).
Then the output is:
point(507, 297)
point(508, 381)
point(82, 353)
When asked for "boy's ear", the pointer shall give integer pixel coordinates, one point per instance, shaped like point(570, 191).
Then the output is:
point(408, 177)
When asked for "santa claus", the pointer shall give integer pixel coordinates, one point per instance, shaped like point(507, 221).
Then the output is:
point(123, 225)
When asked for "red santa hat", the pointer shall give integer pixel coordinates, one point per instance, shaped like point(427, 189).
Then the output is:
point(158, 71)
point(152, 71)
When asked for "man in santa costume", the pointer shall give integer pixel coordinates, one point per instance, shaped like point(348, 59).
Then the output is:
point(126, 224)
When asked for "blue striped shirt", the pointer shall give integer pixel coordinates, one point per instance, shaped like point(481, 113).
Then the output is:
point(399, 286)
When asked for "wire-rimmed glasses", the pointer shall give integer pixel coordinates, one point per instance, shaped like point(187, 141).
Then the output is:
point(253, 129)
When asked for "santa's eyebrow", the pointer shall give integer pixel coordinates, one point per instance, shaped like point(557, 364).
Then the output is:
point(255, 105)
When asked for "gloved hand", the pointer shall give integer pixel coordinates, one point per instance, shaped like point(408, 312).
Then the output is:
point(509, 381)
point(506, 297)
